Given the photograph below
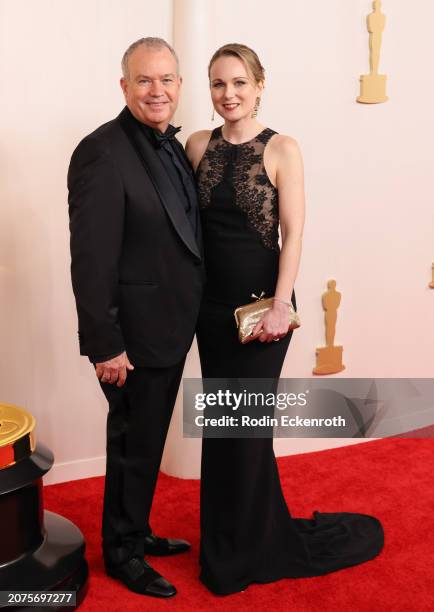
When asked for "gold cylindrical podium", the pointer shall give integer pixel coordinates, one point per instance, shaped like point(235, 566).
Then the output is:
point(17, 438)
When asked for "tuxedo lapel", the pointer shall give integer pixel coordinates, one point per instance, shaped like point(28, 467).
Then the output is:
point(160, 180)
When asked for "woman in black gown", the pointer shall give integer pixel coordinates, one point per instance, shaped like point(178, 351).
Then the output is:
point(250, 179)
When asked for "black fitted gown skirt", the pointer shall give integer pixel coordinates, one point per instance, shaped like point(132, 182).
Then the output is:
point(247, 532)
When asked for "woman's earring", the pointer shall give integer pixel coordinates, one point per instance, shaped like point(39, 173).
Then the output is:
point(256, 107)
point(212, 116)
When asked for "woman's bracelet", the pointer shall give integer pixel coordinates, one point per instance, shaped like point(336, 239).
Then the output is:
point(282, 301)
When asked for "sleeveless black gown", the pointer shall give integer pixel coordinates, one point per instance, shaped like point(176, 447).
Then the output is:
point(247, 532)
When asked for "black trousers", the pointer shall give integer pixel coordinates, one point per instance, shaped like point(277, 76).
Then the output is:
point(137, 423)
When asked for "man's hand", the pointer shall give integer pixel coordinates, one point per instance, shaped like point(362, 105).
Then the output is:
point(114, 370)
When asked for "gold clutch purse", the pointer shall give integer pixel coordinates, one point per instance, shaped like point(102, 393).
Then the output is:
point(249, 315)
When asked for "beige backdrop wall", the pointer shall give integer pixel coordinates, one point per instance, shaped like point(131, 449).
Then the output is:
point(368, 187)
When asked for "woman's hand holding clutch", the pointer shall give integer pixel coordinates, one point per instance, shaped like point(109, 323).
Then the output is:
point(273, 325)
point(265, 319)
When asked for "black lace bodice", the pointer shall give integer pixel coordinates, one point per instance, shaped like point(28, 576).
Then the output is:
point(243, 166)
point(239, 212)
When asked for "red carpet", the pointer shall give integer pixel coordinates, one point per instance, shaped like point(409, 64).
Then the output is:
point(391, 479)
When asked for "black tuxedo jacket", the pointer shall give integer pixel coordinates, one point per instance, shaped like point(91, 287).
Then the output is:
point(136, 266)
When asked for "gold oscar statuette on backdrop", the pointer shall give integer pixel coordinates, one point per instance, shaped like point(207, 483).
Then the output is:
point(431, 285)
point(373, 85)
point(329, 357)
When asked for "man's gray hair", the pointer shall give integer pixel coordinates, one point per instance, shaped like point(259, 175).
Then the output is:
point(151, 42)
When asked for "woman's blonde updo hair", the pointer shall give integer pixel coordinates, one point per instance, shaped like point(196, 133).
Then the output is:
point(243, 53)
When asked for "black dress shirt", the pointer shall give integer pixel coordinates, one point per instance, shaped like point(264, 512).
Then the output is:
point(178, 168)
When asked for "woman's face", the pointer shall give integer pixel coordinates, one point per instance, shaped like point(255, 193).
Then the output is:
point(233, 89)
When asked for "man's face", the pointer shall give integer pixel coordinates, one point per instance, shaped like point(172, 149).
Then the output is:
point(152, 88)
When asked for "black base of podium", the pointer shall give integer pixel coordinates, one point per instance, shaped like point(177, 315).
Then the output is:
point(39, 550)
point(57, 565)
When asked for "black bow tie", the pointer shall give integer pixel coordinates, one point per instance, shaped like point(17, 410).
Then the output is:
point(169, 134)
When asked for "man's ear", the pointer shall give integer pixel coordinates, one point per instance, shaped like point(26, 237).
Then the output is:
point(124, 85)
point(180, 80)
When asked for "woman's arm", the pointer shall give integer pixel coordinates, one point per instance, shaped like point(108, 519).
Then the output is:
point(290, 185)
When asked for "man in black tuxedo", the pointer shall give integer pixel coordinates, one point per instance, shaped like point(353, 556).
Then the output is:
point(137, 276)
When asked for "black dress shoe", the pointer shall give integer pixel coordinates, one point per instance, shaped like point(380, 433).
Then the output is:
point(162, 547)
point(141, 578)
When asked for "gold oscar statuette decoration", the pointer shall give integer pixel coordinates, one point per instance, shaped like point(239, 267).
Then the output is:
point(329, 357)
point(17, 438)
point(431, 285)
point(373, 85)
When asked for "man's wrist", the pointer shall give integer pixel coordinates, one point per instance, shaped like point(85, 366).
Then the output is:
point(101, 358)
